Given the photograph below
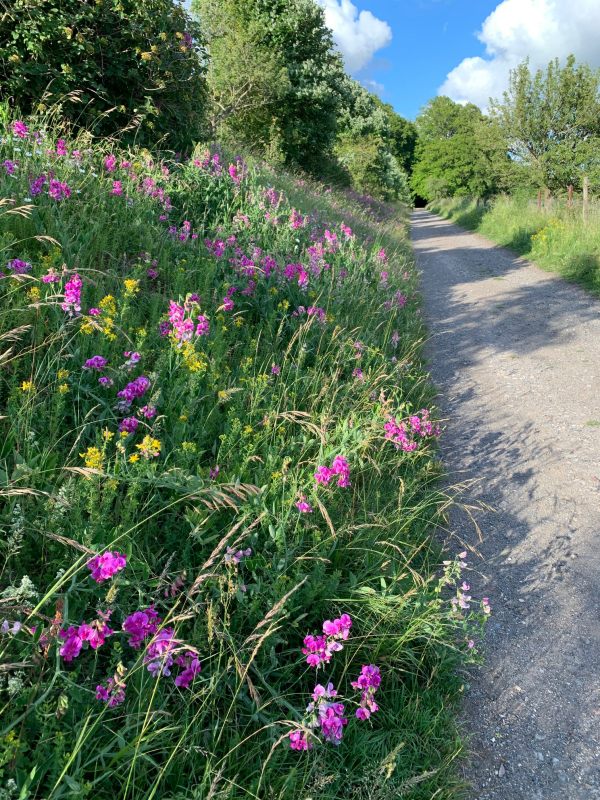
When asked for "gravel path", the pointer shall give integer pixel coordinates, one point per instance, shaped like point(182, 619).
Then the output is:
point(515, 353)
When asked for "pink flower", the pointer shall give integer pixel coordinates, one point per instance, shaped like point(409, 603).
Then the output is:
point(191, 667)
point(368, 682)
point(20, 129)
point(72, 295)
point(58, 190)
point(140, 625)
point(129, 425)
point(61, 148)
point(323, 475)
point(303, 507)
point(110, 162)
point(117, 188)
point(298, 741)
point(275, 369)
point(104, 566)
point(95, 362)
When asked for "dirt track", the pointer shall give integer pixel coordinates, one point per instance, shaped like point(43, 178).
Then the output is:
point(515, 353)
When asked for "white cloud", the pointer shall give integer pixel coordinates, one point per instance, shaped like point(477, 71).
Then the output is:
point(358, 34)
point(517, 29)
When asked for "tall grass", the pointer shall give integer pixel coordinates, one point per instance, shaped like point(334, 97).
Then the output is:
point(202, 496)
point(556, 237)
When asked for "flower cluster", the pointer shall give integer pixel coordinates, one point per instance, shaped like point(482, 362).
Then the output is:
point(113, 694)
point(368, 682)
point(339, 467)
point(72, 295)
point(319, 649)
point(74, 637)
point(104, 566)
point(406, 435)
point(134, 390)
point(182, 325)
point(18, 266)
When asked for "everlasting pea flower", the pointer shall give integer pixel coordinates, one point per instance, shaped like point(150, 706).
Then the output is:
point(117, 188)
point(9, 166)
point(110, 162)
point(303, 507)
point(113, 694)
point(20, 129)
point(95, 312)
point(18, 266)
point(159, 653)
point(323, 475)
point(58, 190)
point(95, 362)
point(72, 301)
point(368, 682)
point(192, 666)
point(148, 411)
point(104, 566)
point(129, 425)
point(36, 185)
point(298, 741)
point(61, 147)
point(140, 625)
point(105, 381)
point(134, 389)
point(275, 369)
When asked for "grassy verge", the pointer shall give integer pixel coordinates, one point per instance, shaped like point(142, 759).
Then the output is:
point(557, 239)
point(213, 442)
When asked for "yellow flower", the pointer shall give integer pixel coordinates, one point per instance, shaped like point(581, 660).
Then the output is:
point(195, 362)
point(248, 430)
point(239, 321)
point(223, 395)
point(87, 325)
point(28, 386)
point(183, 418)
point(63, 388)
point(34, 294)
point(93, 458)
point(123, 434)
point(62, 374)
point(284, 305)
point(134, 457)
point(188, 447)
point(274, 290)
point(275, 475)
point(149, 447)
point(131, 287)
point(107, 435)
point(146, 56)
point(108, 305)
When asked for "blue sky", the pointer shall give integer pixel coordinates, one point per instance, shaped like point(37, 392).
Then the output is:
point(429, 38)
point(410, 50)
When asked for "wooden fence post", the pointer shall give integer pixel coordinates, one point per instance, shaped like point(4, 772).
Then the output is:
point(570, 196)
point(586, 197)
point(539, 199)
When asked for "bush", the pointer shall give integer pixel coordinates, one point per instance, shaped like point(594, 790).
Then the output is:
point(112, 65)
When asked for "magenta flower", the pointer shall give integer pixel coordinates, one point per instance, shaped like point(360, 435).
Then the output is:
point(191, 667)
point(134, 389)
point(58, 190)
point(159, 653)
point(117, 188)
point(323, 475)
point(9, 166)
point(319, 649)
point(36, 185)
point(110, 163)
point(129, 425)
point(61, 148)
point(140, 625)
point(18, 266)
point(104, 566)
point(94, 633)
point(95, 362)
point(95, 312)
point(298, 741)
point(148, 411)
point(113, 694)
point(72, 295)
point(302, 506)
point(233, 556)
point(105, 381)
point(51, 277)
point(368, 682)
point(203, 326)
point(20, 129)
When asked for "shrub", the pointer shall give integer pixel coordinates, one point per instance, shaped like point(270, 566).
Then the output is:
point(111, 65)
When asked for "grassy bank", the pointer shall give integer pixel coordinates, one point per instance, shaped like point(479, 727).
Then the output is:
point(218, 487)
point(557, 238)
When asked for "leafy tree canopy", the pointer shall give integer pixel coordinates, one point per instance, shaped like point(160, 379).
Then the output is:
point(551, 119)
point(110, 65)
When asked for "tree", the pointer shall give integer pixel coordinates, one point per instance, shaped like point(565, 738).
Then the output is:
point(286, 91)
point(111, 65)
point(365, 146)
point(460, 151)
point(551, 119)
